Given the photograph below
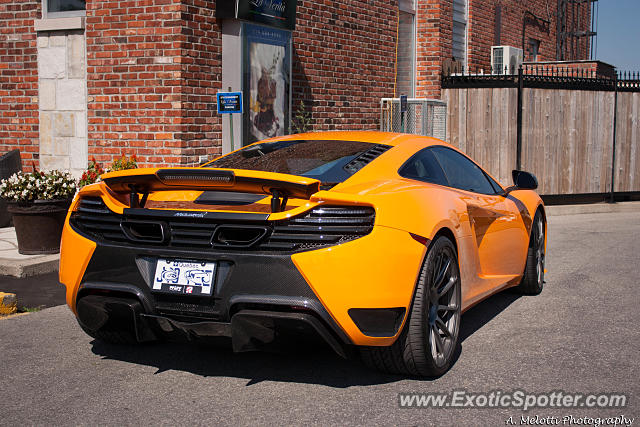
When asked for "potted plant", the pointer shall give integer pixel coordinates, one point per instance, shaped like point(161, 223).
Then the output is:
point(123, 163)
point(38, 202)
point(92, 174)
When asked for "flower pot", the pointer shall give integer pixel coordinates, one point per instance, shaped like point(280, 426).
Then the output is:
point(39, 225)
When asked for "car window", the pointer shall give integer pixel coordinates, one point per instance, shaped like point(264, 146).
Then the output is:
point(323, 160)
point(423, 166)
point(461, 172)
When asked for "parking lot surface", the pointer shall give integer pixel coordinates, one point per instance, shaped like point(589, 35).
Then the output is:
point(580, 335)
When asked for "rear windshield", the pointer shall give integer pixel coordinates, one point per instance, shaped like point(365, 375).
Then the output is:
point(322, 160)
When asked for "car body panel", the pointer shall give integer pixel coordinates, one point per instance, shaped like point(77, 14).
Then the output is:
point(75, 254)
point(377, 270)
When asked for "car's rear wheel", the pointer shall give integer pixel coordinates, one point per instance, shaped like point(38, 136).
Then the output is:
point(427, 344)
point(533, 279)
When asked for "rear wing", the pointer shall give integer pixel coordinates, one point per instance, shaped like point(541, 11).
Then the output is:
point(143, 181)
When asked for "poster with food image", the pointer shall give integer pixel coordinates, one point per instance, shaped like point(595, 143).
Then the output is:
point(267, 82)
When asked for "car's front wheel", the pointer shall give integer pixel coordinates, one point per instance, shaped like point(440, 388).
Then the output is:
point(533, 279)
point(428, 342)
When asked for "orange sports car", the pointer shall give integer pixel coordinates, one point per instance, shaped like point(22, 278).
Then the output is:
point(373, 242)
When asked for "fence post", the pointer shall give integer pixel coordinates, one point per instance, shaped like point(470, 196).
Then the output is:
point(519, 121)
point(613, 153)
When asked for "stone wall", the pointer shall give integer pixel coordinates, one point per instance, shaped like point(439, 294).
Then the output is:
point(63, 100)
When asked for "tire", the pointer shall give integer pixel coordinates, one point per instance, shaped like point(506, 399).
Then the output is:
point(533, 279)
point(423, 347)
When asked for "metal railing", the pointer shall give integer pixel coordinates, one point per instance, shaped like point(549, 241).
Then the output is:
point(423, 117)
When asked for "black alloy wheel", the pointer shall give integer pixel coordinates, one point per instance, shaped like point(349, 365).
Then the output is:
point(427, 344)
point(533, 279)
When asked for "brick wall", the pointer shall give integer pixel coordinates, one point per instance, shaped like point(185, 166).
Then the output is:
point(344, 61)
point(201, 60)
point(434, 30)
point(482, 25)
point(153, 67)
point(19, 79)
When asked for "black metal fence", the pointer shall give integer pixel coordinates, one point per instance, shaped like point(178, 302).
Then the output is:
point(546, 77)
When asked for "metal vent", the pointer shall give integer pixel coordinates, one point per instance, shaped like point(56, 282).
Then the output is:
point(322, 226)
point(95, 218)
point(365, 158)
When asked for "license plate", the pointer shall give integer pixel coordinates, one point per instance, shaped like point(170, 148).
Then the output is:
point(184, 277)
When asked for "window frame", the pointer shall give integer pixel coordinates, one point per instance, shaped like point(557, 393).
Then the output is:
point(465, 58)
point(64, 14)
point(409, 7)
point(533, 49)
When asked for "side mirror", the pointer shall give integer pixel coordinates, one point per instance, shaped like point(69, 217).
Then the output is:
point(524, 180)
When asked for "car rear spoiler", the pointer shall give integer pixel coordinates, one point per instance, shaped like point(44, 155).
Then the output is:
point(143, 181)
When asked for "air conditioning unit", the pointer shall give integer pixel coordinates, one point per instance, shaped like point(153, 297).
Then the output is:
point(505, 59)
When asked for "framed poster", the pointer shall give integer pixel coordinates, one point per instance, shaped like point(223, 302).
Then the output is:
point(267, 82)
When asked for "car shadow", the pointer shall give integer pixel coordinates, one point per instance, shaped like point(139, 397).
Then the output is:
point(312, 365)
point(482, 313)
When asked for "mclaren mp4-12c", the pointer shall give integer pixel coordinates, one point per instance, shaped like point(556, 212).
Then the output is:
point(374, 243)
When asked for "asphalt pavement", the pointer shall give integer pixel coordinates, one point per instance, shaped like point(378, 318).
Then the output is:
point(35, 292)
point(580, 336)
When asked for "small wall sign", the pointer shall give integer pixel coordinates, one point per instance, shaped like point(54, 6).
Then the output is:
point(229, 102)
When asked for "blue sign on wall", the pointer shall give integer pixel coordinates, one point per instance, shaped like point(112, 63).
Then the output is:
point(229, 102)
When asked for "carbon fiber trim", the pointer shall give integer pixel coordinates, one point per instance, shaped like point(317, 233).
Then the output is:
point(242, 280)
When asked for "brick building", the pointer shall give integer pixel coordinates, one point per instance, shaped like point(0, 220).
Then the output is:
point(106, 77)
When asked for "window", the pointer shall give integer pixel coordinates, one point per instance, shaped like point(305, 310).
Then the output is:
point(322, 160)
point(405, 74)
point(63, 8)
point(423, 166)
point(460, 31)
point(462, 173)
point(534, 48)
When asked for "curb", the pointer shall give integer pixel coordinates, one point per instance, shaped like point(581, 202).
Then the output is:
point(559, 210)
point(30, 267)
point(8, 303)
